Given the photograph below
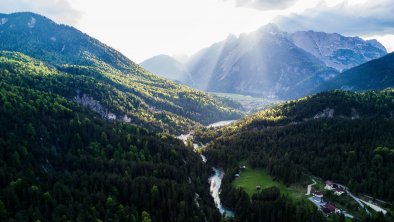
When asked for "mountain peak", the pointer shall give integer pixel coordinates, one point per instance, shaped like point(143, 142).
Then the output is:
point(338, 51)
point(231, 37)
point(46, 38)
point(271, 28)
point(28, 18)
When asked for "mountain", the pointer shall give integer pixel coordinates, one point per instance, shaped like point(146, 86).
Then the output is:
point(167, 67)
point(273, 63)
point(376, 74)
point(264, 63)
point(337, 135)
point(60, 59)
point(338, 51)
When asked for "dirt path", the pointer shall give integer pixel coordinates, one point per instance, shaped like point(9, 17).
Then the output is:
point(308, 190)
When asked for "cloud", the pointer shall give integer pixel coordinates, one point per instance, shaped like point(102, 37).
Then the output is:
point(59, 10)
point(372, 17)
point(264, 4)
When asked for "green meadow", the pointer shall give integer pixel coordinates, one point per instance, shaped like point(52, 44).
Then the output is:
point(250, 178)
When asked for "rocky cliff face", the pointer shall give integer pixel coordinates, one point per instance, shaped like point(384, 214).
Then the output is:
point(264, 63)
point(338, 51)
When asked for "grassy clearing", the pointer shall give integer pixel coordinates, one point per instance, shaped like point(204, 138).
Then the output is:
point(250, 178)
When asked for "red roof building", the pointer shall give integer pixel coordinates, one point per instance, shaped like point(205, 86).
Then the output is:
point(331, 207)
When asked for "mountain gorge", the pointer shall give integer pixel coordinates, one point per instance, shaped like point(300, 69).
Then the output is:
point(276, 64)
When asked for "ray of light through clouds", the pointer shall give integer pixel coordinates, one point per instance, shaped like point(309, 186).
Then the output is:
point(144, 28)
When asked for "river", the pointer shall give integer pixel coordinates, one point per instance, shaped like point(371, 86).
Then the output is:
point(221, 123)
point(215, 180)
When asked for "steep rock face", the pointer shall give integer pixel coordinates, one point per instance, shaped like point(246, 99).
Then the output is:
point(338, 51)
point(326, 113)
point(95, 105)
point(264, 63)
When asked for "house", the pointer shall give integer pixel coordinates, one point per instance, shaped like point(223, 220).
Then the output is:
point(339, 191)
point(325, 211)
point(328, 208)
point(258, 187)
point(330, 185)
point(237, 175)
point(243, 167)
point(317, 196)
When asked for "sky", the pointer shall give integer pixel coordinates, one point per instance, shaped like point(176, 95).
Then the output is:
point(141, 29)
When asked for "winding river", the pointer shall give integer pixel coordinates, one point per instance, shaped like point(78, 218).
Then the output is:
point(215, 180)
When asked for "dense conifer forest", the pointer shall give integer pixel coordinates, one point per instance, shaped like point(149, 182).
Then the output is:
point(62, 162)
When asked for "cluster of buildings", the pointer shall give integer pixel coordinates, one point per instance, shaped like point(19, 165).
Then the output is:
point(326, 207)
point(338, 189)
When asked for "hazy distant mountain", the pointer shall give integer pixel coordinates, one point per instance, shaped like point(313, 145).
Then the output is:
point(264, 63)
point(338, 51)
point(376, 74)
point(273, 63)
point(167, 67)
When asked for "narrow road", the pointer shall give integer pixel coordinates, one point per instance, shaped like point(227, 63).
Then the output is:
point(374, 207)
point(358, 201)
point(308, 190)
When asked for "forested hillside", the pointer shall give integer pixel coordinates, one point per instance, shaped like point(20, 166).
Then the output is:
point(85, 70)
point(376, 74)
point(343, 136)
point(62, 162)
